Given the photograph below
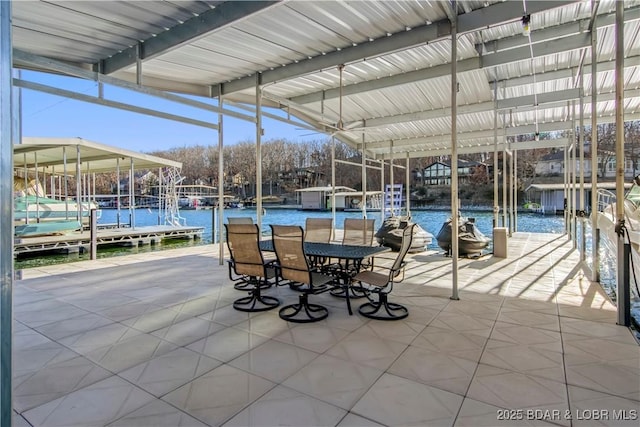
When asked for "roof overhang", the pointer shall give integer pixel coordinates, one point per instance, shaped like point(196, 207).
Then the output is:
point(57, 155)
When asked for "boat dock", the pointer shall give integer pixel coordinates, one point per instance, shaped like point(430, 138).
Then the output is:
point(81, 241)
point(529, 333)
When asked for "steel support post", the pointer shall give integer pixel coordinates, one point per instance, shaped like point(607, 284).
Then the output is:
point(454, 150)
point(6, 213)
point(595, 241)
point(259, 150)
point(220, 180)
point(622, 277)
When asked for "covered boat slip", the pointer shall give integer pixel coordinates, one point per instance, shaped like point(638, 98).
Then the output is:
point(49, 162)
point(395, 80)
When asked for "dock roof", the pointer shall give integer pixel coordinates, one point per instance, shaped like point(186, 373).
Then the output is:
point(48, 154)
point(376, 74)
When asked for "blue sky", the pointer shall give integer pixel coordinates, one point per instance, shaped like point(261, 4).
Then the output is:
point(47, 115)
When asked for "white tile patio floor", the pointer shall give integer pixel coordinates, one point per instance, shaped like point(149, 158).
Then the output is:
point(152, 340)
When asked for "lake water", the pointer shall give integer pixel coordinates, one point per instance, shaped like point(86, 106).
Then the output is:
point(429, 220)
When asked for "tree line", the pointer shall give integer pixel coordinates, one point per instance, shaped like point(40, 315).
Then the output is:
point(289, 165)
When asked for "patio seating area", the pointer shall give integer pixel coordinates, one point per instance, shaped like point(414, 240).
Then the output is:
point(153, 340)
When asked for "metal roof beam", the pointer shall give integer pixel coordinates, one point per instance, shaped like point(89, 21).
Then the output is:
point(541, 98)
point(514, 55)
point(475, 20)
point(502, 12)
point(26, 59)
point(567, 73)
point(222, 15)
point(523, 103)
point(488, 133)
point(558, 31)
point(488, 148)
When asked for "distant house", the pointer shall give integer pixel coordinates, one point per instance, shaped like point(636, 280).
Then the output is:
point(439, 173)
point(301, 177)
point(553, 165)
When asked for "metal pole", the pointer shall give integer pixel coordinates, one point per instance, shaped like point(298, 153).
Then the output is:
point(35, 161)
point(259, 151)
point(391, 180)
point(496, 201)
point(78, 185)
point(382, 198)
point(515, 191)
point(220, 181)
point(504, 176)
point(7, 123)
point(511, 185)
point(117, 191)
point(454, 151)
point(595, 241)
point(132, 197)
point(623, 300)
point(574, 224)
point(93, 232)
point(333, 185)
point(66, 183)
point(407, 189)
point(363, 203)
point(566, 188)
point(583, 218)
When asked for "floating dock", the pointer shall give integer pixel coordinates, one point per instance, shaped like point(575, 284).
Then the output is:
point(81, 241)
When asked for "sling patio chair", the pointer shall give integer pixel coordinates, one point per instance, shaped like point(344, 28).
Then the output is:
point(318, 230)
point(239, 220)
point(247, 266)
point(376, 282)
point(293, 265)
point(356, 232)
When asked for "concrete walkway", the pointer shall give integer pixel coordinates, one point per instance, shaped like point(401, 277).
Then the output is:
point(152, 340)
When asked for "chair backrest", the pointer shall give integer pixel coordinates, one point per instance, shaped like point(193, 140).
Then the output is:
point(289, 246)
point(243, 241)
point(407, 239)
point(358, 231)
point(240, 220)
point(318, 230)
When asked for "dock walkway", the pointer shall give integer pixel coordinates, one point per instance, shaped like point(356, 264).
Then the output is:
point(128, 236)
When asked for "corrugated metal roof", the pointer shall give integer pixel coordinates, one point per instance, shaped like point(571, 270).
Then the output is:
point(397, 57)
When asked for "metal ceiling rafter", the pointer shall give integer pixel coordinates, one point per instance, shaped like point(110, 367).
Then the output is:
point(473, 21)
point(566, 73)
point(22, 58)
point(558, 31)
point(479, 148)
point(487, 61)
point(523, 103)
point(488, 133)
point(223, 15)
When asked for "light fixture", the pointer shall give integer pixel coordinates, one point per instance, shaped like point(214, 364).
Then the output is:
point(526, 25)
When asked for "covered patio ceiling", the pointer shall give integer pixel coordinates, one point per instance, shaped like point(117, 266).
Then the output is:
point(374, 73)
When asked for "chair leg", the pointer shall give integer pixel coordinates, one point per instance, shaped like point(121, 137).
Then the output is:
point(383, 309)
point(303, 312)
point(256, 301)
